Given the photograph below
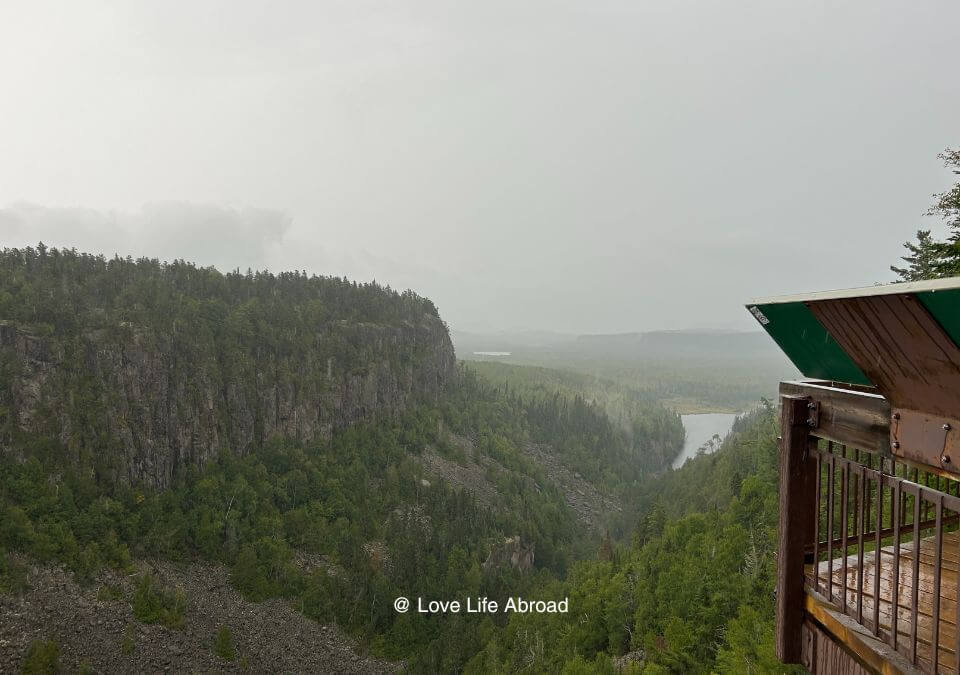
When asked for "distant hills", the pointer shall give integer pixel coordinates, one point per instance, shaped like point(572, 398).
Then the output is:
point(689, 370)
point(683, 343)
point(711, 344)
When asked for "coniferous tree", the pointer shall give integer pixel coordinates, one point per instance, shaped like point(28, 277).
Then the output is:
point(923, 260)
point(929, 258)
point(947, 207)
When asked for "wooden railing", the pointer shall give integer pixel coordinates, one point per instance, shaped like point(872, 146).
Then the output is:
point(863, 531)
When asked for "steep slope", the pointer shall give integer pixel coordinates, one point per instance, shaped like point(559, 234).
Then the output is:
point(95, 628)
point(692, 591)
point(142, 369)
point(307, 441)
point(654, 433)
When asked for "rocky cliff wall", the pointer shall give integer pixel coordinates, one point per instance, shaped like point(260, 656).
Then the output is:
point(139, 405)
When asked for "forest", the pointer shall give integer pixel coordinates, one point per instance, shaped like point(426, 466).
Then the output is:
point(416, 475)
point(688, 371)
point(691, 590)
point(352, 514)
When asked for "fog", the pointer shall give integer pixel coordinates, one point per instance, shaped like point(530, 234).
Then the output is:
point(544, 165)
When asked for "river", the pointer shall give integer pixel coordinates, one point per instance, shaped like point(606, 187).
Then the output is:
point(700, 429)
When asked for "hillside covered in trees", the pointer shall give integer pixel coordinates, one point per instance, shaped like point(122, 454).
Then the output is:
point(310, 436)
point(141, 369)
point(691, 590)
point(653, 432)
point(309, 447)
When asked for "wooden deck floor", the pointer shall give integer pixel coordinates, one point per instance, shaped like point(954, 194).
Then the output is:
point(950, 570)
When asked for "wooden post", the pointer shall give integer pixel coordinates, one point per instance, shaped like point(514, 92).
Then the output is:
point(797, 505)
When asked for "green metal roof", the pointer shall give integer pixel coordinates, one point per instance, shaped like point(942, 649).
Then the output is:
point(815, 352)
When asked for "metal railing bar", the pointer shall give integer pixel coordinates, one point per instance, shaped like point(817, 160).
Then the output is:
point(816, 533)
point(876, 560)
point(897, 509)
point(830, 523)
point(844, 482)
point(938, 548)
point(915, 588)
point(859, 522)
point(887, 532)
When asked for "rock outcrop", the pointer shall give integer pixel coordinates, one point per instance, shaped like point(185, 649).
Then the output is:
point(138, 404)
point(591, 505)
point(511, 552)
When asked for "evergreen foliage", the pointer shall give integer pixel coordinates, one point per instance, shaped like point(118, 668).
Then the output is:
point(340, 527)
point(153, 604)
point(325, 504)
point(930, 258)
point(65, 290)
point(692, 593)
point(651, 435)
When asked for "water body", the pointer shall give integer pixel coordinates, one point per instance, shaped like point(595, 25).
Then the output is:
point(700, 429)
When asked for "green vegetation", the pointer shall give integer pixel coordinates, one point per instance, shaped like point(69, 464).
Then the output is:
point(62, 291)
point(645, 438)
point(154, 604)
point(110, 593)
point(686, 380)
point(330, 501)
point(692, 592)
point(336, 503)
point(103, 359)
point(129, 643)
point(654, 433)
point(42, 658)
point(13, 574)
point(341, 525)
point(223, 644)
point(929, 258)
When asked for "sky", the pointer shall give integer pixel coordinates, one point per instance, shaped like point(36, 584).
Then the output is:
point(584, 167)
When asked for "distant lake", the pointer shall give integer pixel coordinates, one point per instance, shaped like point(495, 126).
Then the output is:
point(491, 353)
point(700, 429)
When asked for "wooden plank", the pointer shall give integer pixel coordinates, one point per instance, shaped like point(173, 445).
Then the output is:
point(901, 348)
point(821, 655)
point(856, 418)
point(809, 633)
point(877, 656)
point(931, 587)
point(797, 511)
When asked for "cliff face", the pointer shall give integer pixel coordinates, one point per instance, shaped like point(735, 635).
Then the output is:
point(150, 409)
point(140, 370)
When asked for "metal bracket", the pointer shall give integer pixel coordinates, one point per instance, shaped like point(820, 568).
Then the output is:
point(928, 439)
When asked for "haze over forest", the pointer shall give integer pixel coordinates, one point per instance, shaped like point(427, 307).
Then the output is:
point(573, 167)
point(318, 319)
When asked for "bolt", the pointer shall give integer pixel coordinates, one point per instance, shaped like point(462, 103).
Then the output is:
point(896, 445)
point(896, 416)
point(811, 405)
point(946, 427)
point(945, 459)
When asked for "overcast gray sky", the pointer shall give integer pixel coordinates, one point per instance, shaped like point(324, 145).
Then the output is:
point(588, 166)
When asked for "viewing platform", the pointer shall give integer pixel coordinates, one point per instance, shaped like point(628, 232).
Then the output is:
point(869, 538)
point(899, 601)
